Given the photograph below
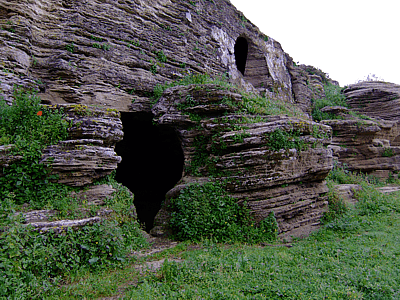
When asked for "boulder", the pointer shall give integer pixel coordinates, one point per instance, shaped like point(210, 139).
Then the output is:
point(375, 99)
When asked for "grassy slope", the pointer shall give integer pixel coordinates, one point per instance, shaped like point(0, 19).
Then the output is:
point(354, 257)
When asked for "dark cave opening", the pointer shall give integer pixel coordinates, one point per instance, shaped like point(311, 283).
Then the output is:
point(241, 49)
point(152, 163)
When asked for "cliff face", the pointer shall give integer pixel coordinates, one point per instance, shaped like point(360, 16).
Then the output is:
point(113, 54)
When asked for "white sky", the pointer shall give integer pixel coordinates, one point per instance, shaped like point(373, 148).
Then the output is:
point(348, 39)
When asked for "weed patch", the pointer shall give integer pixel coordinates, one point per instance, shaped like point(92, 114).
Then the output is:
point(206, 211)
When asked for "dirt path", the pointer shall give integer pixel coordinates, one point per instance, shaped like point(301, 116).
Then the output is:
point(157, 245)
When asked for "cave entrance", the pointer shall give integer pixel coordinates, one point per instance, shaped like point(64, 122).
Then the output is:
point(152, 163)
point(251, 61)
point(241, 49)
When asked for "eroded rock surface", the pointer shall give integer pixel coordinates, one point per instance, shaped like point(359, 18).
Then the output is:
point(368, 141)
point(45, 219)
point(375, 99)
point(223, 143)
point(89, 153)
point(113, 53)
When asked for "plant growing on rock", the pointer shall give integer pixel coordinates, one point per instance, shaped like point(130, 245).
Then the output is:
point(161, 56)
point(70, 47)
point(333, 97)
point(280, 139)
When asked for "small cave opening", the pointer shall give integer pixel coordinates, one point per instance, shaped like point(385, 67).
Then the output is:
point(152, 163)
point(241, 50)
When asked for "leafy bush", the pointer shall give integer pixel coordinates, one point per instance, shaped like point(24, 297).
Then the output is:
point(28, 124)
point(31, 263)
point(205, 211)
point(30, 127)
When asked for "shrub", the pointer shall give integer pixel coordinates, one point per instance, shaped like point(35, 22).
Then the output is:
point(30, 127)
point(32, 263)
point(206, 211)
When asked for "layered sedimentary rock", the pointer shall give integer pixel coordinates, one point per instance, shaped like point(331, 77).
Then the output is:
point(368, 141)
point(45, 220)
point(110, 53)
point(89, 153)
point(114, 54)
point(236, 147)
point(375, 99)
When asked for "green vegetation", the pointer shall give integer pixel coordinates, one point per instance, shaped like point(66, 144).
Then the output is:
point(96, 45)
point(187, 80)
point(10, 28)
point(333, 97)
point(206, 211)
point(354, 256)
point(250, 104)
point(32, 263)
point(279, 139)
point(30, 127)
point(70, 47)
point(105, 47)
point(153, 68)
point(95, 38)
point(161, 57)
point(388, 152)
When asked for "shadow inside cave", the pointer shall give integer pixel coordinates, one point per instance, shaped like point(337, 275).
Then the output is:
point(241, 50)
point(152, 163)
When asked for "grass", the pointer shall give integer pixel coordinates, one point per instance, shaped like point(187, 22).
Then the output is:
point(355, 256)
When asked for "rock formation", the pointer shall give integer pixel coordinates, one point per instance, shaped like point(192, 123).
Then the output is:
point(366, 136)
point(375, 99)
point(116, 54)
point(288, 181)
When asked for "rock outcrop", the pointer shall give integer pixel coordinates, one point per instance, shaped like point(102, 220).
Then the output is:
point(366, 135)
point(92, 211)
point(117, 54)
point(275, 164)
point(114, 53)
point(375, 99)
point(89, 153)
